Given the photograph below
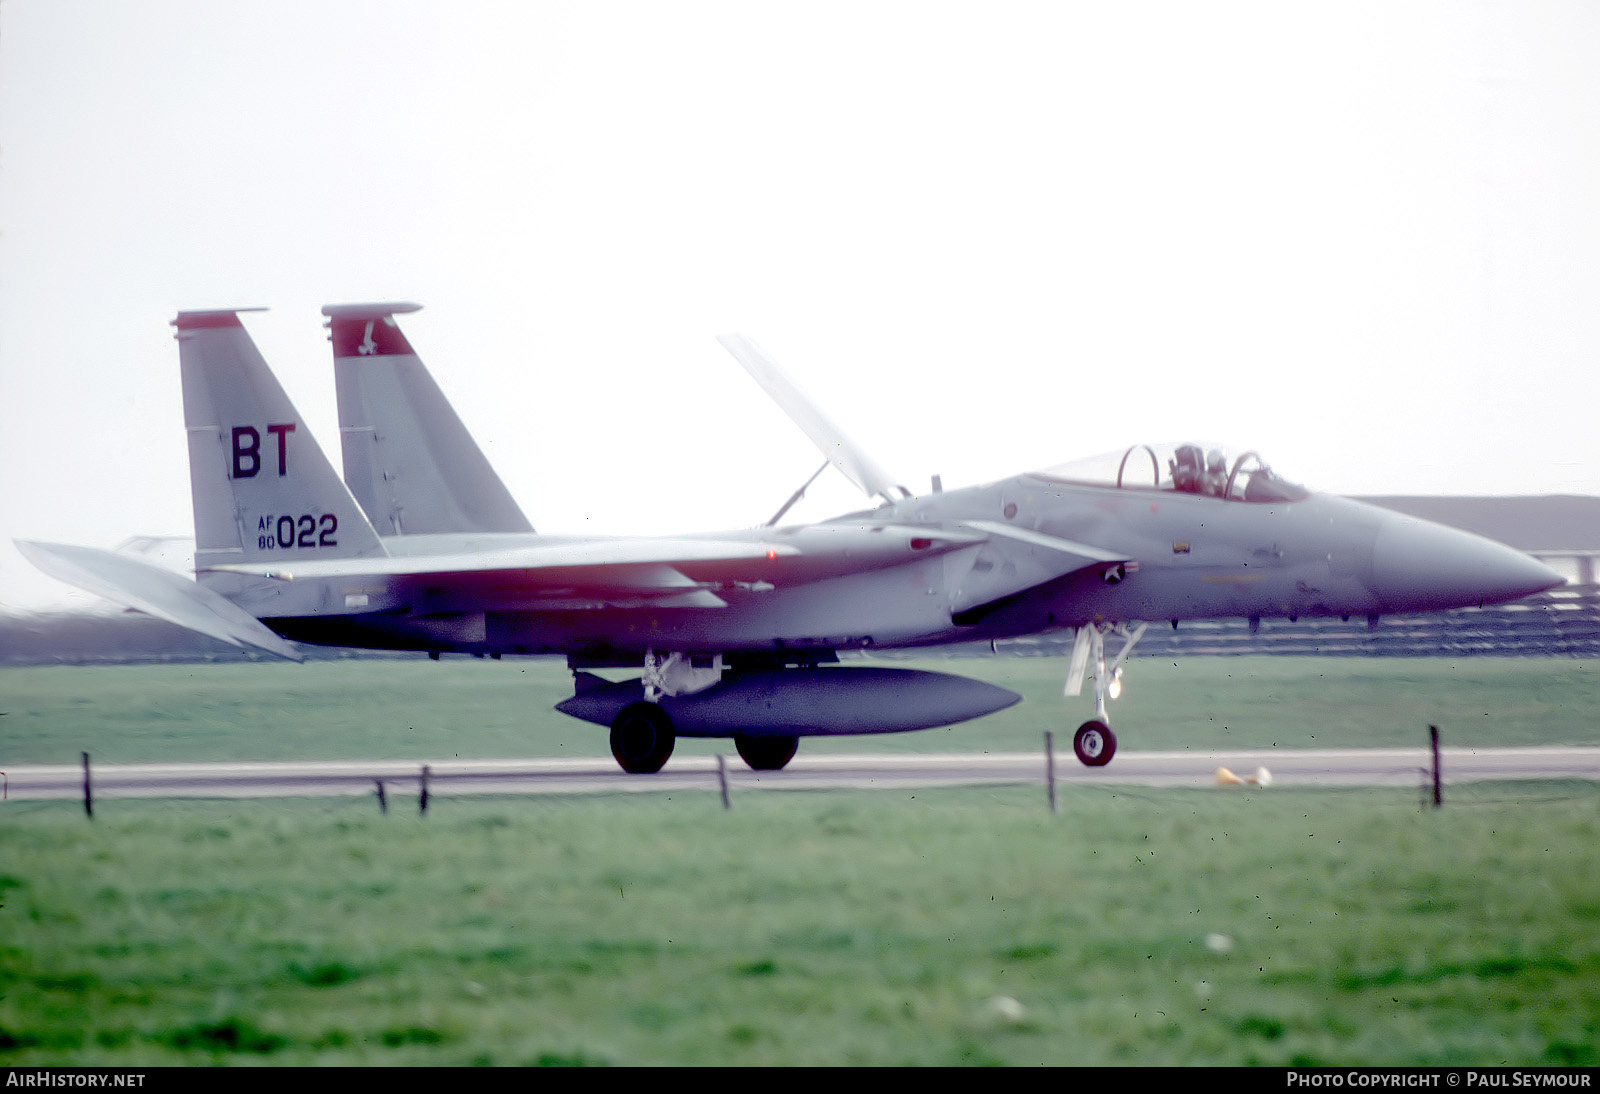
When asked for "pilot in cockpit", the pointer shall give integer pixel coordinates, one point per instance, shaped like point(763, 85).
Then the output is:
point(1187, 467)
point(1215, 480)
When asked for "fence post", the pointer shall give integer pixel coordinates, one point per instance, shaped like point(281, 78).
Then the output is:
point(88, 795)
point(1050, 766)
point(722, 778)
point(1438, 792)
point(423, 799)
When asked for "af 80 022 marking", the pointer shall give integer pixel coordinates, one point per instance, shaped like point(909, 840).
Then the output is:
point(305, 530)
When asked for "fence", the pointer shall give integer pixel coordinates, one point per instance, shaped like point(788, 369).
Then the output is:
point(1564, 622)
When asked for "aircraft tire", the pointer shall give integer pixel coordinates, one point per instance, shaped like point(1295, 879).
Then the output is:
point(766, 753)
point(642, 738)
point(1094, 743)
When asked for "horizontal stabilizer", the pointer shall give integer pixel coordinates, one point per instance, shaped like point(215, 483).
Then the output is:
point(154, 591)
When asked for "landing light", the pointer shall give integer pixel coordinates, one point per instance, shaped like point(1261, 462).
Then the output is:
point(1114, 689)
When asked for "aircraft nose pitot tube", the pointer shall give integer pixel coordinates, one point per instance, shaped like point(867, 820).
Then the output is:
point(1420, 566)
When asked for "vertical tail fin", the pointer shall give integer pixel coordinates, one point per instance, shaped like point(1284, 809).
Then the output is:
point(263, 490)
point(407, 458)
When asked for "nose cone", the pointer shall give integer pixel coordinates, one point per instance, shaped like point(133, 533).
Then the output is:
point(1420, 566)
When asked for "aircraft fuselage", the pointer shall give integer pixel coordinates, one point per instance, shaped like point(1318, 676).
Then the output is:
point(913, 573)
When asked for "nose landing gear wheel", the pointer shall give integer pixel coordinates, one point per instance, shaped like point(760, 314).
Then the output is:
point(1094, 744)
point(766, 753)
point(642, 738)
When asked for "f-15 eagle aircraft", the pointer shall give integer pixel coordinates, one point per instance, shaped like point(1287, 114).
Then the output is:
point(736, 634)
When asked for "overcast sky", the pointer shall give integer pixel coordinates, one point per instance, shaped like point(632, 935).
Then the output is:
point(1359, 237)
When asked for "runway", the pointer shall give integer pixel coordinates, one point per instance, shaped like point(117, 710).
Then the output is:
point(1285, 769)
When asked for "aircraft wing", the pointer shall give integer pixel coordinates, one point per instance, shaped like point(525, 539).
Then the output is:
point(657, 572)
point(578, 575)
point(557, 556)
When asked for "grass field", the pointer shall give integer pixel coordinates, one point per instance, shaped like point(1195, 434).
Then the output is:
point(1242, 926)
point(482, 709)
point(940, 927)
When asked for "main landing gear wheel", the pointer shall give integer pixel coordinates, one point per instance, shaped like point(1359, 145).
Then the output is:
point(1094, 743)
point(766, 753)
point(642, 738)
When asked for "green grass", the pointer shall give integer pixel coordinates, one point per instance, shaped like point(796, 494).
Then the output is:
point(892, 927)
point(461, 707)
point(905, 927)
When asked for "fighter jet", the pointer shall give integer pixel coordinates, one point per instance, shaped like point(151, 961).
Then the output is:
point(419, 546)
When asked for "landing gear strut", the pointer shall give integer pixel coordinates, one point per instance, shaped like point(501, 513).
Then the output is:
point(1094, 743)
point(642, 738)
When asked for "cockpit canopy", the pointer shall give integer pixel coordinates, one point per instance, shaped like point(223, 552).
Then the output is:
point(1185, 467)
